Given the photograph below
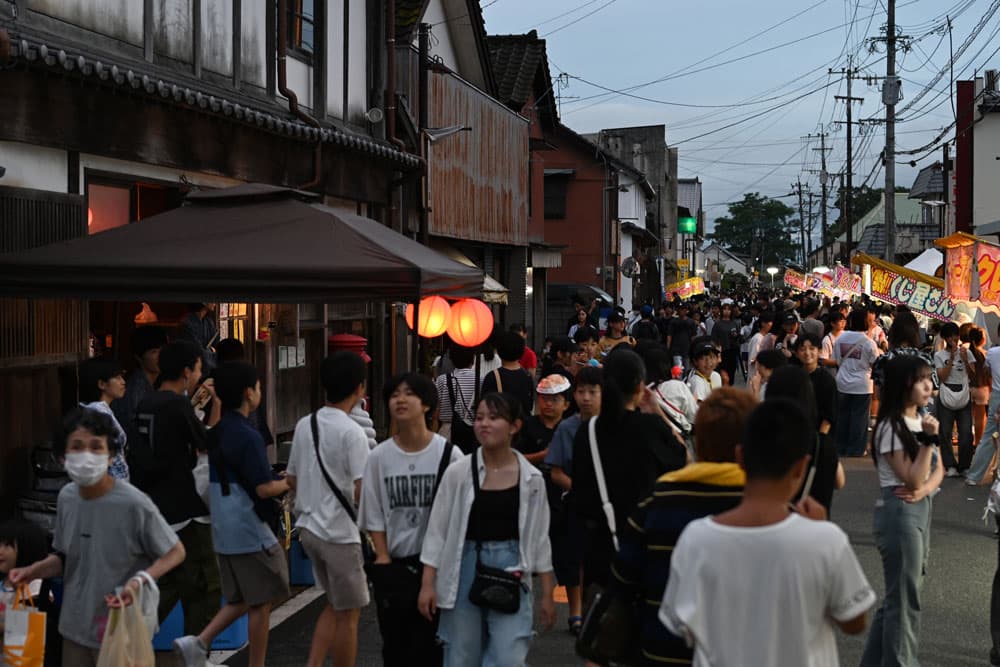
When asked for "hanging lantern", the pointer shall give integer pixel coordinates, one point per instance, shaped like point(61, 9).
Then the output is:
point(471, 322)
point(435, 316)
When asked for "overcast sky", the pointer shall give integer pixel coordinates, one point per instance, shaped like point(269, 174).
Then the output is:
point(778, 97)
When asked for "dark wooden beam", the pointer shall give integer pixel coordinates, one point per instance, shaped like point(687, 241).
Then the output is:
point(237, 43)
point(73, 172)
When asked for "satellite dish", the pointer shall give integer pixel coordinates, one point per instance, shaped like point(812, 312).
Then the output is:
point(630, 267)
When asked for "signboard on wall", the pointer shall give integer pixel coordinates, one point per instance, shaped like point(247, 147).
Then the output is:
point(918, 296)
point(684, 289)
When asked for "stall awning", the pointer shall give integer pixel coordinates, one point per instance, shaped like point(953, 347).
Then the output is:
point(972, 274)
point(253, 242)
point(921, 293)
point(491, 291)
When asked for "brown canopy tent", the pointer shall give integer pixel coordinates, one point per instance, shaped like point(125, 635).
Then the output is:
point(254, 243)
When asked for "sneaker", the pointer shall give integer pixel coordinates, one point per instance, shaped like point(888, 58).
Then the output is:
point(191, 651)
point(971, 482)
point(952, 472)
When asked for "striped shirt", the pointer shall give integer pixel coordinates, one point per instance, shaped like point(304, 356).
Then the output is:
point(642, 567)
point(463, 386)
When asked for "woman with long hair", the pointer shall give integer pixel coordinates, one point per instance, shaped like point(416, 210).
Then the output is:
point(636, 446)
point(498, 519)
point(904, 448)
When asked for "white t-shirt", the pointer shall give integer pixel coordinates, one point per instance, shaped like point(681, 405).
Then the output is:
point(959, 371)
point(855, 353)
point(887, 441)
point(993, 362)
point(799, 573)
point(344, 448)
point(397, 492)
point(753, 349)
point(700, 387)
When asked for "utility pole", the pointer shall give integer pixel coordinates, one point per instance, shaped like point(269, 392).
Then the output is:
point(848, 192)
point(797, 185)
point(890, 95)
point(823, 178)
point(812, 225)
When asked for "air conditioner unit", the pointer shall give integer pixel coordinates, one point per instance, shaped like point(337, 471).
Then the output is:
point(907, 243)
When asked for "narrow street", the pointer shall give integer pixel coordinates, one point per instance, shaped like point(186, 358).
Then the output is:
point(956, 595)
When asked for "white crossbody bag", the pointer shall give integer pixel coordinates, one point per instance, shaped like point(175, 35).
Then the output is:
point(602, 487)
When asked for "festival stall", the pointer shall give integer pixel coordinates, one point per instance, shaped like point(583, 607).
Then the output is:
point(684, 289)
point(968, 256)
point(921, 293)
point(839, 282)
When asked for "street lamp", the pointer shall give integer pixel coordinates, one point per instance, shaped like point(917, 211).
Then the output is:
point(773, 271)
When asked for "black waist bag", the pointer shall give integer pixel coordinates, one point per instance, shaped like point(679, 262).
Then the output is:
point(492, 587)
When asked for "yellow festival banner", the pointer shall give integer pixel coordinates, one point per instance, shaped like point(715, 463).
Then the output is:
point(684, 288)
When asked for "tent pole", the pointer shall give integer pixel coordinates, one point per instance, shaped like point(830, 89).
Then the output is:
point(415, 354)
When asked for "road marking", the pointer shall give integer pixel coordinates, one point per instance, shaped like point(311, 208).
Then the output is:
point(278, 616)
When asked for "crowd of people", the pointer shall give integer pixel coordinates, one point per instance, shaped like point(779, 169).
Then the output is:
point(685, 464)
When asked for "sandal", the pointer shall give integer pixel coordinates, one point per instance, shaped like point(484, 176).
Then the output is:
point(575, 625)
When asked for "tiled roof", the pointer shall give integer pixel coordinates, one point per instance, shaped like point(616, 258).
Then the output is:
point(873, 239)
point(130, 77)
point(516, 59)
point(929, 181)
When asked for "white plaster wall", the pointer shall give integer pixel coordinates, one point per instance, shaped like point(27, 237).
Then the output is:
point(121, 19)
point(441, 43)
point(986, 171)
point(254, 44)
point(300, 81)
point(357, 100)
point(33, 167)
point(173, 22)
point(335, 57)
point(141, 170)
point(217, 35)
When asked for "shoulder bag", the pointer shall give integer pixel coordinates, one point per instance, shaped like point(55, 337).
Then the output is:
point(956, 396)
point(461, 433)
point(496, 376)
point(493, 588)
point(610, 631)
point(367, 549)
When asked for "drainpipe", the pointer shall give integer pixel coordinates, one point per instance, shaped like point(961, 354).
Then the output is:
point(390, 75)
point(293, 100)
point(422, 95)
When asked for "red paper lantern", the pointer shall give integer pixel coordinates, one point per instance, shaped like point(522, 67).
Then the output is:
point(435, 316)
point(471, 322)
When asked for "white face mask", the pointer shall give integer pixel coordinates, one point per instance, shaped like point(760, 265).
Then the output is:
point(85, 468)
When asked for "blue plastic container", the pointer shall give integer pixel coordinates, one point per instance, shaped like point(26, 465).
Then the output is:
point(232, 638)
point(300, 571)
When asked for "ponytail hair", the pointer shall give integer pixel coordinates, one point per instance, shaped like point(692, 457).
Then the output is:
point(624, 371)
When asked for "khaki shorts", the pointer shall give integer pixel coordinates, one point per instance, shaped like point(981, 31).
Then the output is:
point(255, 579)
point(339, 571)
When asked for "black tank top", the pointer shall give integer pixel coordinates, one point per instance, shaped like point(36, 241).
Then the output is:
point(493, 517)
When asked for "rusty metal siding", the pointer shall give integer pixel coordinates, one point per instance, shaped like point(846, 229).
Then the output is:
point(478, 179)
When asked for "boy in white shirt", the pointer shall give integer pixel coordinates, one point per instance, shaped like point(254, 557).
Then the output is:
point(806, 578)
point(705, 357)
point(756, 344)
point(328, 527)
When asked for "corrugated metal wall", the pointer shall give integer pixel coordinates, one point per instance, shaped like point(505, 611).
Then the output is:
point(478, 179)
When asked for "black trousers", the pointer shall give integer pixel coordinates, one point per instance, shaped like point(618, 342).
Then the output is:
point(995, 602)
point(730, 361)
point(407, 637)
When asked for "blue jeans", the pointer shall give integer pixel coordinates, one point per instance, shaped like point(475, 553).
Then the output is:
point(852, 424)
point(984, 452)
point(948, 419)
point(903, 538)
point(475, 636)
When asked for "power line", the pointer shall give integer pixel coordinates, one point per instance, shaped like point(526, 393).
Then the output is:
point(577, 20)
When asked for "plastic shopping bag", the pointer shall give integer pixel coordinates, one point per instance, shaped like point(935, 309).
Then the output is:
point(24, 632)
point(126, 640)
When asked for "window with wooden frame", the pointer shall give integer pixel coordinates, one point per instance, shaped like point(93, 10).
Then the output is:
point(301, 26)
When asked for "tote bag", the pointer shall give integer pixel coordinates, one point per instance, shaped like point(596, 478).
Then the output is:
point(126, 640)
point(24, 632)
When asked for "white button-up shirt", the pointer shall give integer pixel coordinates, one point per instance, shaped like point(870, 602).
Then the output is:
point(445, 537)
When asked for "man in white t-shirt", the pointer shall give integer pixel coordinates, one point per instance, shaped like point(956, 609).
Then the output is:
point(953, 364)
point(984, 452)
point(327, 527)
point(854, 352)
point(760, 555)
point(400, 482)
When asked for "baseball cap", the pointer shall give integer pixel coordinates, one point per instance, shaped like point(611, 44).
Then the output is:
point(789, 317)
point(703, 347)
point(616, 317)
point(646, 309)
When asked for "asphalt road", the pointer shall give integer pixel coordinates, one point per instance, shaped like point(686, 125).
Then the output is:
point(956, 595)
